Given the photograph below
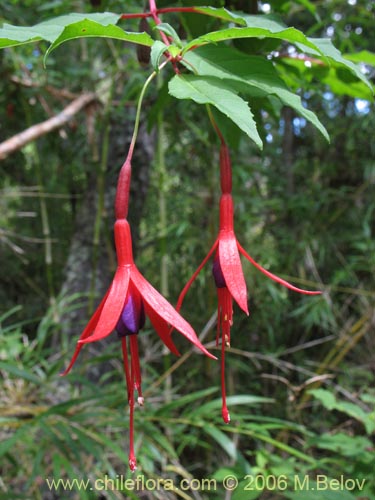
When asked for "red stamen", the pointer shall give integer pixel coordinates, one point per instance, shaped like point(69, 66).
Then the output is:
point(126, 365)
point(224, 409)
point(132, 459)
point(224, 323)
point(218, 325)
point(136, 367)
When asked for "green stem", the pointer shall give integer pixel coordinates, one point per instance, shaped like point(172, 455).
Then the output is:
point(139, 107)
point(138, 114)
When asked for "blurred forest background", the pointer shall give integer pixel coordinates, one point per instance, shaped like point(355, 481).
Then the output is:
point(301, 369)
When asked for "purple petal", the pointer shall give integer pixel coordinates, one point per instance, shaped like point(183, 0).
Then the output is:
point(218, 274)
point(132, 318)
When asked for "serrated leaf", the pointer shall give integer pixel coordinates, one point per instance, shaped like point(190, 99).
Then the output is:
point(256, 27)
point(157, 50)
point(268, 26)
point(87, 28)
point(210, 90)
point(49, 30)
point(253, 72)
point(63, 28)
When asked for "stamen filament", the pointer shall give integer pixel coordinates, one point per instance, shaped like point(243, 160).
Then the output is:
point(126, 365)
point(136, 367)
point(224, 409)
point(132, 459)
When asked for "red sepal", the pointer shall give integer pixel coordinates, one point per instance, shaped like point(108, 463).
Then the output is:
point(274, 277)
point(231, 268)
point(90, 327)
point(165, 310)
point(113, 306)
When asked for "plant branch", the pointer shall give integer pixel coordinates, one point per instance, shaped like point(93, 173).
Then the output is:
point(165, 10)
point(32, 133)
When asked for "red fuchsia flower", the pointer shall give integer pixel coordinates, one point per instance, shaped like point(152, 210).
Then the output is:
point(227, 270)
point(128, 300)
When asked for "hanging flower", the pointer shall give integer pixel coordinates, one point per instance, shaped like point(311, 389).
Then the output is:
point(128, 300)
point(227, 270)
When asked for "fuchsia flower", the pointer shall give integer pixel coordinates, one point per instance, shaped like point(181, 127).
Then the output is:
point(227, 270)
point(129, 298)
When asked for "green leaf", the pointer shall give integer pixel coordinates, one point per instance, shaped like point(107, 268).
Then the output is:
point(344, 444)
point(364, 56)
point(211, 407)
point(323, 493)
point(241, 493)
point(327, 399)
point(326, 47)
point(181, 401)
point(253, 72)
point(340, 79)
point(227, 444)
point(210, 90)
point(269, 26)
point(7, 444)
point(20, 373)
point(256, 27)
point(69, 27)
point(223, 14)
point(170, 31)
point(89, 28)
point(157, 50)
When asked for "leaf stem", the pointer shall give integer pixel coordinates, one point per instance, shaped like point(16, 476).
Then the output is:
point(123, 185)
point(138, 114)
point(165, 10)
point(139, 106)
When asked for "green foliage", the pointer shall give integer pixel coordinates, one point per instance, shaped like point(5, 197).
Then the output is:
point(206, 90)
point(50, 435)
point(300, 369)
point(211, 90)
point(70, 27)
point(253, 75)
